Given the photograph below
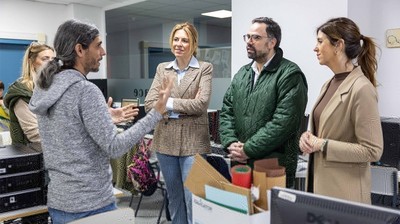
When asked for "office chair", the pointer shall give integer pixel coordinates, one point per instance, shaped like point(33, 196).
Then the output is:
point(161, 186)
point(384, 183)
point(302, 161)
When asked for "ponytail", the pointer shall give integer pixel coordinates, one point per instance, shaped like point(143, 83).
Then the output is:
point(46, 75)
point(367, 59)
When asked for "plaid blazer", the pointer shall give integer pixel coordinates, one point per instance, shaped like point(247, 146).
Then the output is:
point(189, 134)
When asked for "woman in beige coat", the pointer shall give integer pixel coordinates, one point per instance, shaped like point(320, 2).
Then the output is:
point(345, 134)
point(184, 131)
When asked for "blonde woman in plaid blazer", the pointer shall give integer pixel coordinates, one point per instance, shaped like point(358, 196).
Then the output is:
point(184, 130)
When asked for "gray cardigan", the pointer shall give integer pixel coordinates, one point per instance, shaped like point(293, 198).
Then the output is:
point(78, 140)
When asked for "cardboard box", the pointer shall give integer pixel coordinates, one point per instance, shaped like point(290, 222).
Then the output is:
point(205, 212)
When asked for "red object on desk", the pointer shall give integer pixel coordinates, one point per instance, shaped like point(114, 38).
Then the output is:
point(241, 175)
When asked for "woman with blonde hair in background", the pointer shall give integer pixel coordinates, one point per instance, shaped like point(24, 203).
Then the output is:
point(23, 123)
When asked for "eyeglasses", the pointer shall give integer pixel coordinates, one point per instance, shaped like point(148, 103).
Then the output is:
point(253, 37)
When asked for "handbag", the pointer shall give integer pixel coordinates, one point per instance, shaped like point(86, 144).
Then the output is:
point(141, 172)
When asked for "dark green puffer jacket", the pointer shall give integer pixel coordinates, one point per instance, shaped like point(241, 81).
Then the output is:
point(16, 91)
point(266, 117)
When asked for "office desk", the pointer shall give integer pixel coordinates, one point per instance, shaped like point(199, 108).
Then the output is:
point(36, 210)
point(21, 213)
point(118, 216)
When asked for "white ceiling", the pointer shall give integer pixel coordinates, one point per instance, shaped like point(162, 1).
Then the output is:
point(98, 3)
point(153, 12)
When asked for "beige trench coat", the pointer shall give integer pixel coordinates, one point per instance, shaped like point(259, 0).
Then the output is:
point(351, 123)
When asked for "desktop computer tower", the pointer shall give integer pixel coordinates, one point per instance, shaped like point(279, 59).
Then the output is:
point(391, 138)
point(21, 199)
point(18, 159)
point(22, 182)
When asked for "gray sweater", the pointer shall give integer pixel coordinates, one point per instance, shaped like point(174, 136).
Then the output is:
point(78, 140)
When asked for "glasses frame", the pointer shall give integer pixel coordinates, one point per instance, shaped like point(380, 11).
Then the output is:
point(253, 37)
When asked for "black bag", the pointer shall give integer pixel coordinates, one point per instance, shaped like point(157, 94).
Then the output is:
point(141, 172)
point(218, 162)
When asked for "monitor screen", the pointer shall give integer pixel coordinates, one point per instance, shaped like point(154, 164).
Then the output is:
point(102, 84)
point(290, 206)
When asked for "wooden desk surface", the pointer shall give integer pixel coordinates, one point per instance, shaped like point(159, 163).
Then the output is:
point(118, 216)
point(21, 213)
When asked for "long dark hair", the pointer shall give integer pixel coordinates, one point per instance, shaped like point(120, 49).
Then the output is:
point(69, 34)
point(365, 53)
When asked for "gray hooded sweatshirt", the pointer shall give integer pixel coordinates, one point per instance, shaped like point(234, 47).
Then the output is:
point(78, 140)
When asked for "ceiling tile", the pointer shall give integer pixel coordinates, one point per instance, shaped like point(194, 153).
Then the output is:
point(154, 12)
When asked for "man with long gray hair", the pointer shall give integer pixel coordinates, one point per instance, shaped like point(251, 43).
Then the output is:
point(77, 131)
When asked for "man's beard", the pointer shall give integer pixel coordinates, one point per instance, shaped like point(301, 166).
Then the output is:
point(256, 56)
point(93, 66)
point(252, 55)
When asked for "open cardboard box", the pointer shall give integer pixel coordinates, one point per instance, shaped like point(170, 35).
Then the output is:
point(201, 174)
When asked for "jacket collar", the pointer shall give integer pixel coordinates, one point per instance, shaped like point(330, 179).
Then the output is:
point(273, 65)
point(194, 63)
point(338, 96)
point(347, 83)
point(193, 70)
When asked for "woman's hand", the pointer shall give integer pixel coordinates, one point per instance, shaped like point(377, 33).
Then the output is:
point(309, 143)
point(122, 114)
point(164, 94)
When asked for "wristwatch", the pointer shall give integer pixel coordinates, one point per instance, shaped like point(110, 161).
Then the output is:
point(323, 146)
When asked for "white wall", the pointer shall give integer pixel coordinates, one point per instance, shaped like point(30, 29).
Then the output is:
point(385, 15)
point(299, 19)
point(26, 19)
point(380, 16)
point(389, 64)
point(23, 17)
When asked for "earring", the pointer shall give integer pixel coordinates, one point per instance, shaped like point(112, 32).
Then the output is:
point(336, 51)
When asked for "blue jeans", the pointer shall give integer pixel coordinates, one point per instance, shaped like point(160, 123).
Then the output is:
point(175, 170)
point(61, 217)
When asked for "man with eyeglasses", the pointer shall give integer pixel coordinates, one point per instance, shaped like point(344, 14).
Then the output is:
point(265, 103)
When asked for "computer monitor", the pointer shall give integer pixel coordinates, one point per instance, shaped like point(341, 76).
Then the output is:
point(102, 84)
point(290, 206)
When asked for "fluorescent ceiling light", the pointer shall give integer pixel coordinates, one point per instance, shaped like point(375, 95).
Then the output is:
point(219, 14)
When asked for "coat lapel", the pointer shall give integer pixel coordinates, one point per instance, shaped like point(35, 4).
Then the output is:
point(187, 80)
point(174, 91)
point(338, 97)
